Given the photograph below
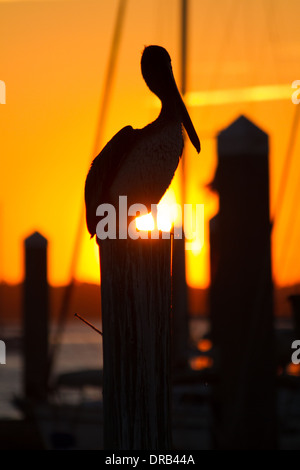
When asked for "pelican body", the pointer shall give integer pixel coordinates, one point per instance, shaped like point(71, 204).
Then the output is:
point(140, 163)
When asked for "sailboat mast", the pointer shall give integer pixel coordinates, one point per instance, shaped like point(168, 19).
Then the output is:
point(184, 15)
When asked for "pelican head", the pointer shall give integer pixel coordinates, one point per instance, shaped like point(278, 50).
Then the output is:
point(158, 74)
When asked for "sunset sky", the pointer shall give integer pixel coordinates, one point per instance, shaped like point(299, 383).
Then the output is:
point(242, 59)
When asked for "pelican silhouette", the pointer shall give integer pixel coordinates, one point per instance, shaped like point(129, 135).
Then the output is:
point(140, 163)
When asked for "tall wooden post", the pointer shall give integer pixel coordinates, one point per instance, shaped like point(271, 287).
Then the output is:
point(35, 318)
point(180, 313)
point(135, 291)
point(241, 292)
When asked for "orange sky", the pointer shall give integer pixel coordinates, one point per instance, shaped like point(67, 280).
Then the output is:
point(53, 60)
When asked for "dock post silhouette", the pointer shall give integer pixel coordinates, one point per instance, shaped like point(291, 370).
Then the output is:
point(242, 292)
point(136, 318)
point(35, 319)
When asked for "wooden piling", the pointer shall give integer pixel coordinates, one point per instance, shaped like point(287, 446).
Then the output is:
point(35, 319)
point(242, 292)
point(136, 309)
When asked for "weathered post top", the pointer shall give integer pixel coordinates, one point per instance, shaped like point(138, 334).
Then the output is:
point(242, 137)
point(242, 161)
point(36, 240)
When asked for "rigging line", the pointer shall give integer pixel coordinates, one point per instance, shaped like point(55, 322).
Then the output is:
point(268, 16)
point(184, 47)
point(99, 129)
point(178, 257)
point(246, 13)
point(109, 75)
point(184, 43)
point(286, 245)
point(290, 225)
point(287, 164)
point(226, 34)
point(158, 13)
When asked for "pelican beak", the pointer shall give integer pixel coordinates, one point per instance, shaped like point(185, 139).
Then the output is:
point(186, 120)
point(188, 125)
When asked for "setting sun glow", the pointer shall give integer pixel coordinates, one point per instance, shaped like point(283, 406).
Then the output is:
point(167, 214)
point(54, 60)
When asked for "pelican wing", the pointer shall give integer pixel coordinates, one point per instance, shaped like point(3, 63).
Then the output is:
point(103, 171)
